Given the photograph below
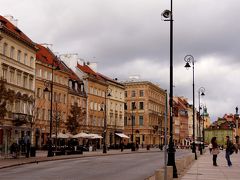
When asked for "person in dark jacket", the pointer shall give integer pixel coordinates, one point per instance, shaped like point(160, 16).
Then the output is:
point(229, 151)
point(215, 150)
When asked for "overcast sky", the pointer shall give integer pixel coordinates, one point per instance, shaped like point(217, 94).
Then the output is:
point(128, 37)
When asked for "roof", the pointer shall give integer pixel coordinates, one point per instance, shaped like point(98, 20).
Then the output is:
point(15, 31)
point(46, 56)
point(72, 74)
point(86, 69)
point(109, 79)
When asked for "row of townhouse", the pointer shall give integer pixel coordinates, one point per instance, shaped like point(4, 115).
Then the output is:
point(46, 89)
point(183, 122)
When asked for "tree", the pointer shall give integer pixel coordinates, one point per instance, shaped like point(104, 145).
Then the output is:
point(75, 119)
point(6, 96)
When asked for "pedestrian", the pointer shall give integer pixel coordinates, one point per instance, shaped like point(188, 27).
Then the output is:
point(229, 150)
point(215, 150)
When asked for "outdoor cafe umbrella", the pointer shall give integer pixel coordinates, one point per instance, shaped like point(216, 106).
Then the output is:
point(61, 136)
point(95, 136)
point(82, 135)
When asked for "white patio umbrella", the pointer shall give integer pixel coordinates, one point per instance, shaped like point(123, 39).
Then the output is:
point(95, 136)
point(60, 136)
point(82, 135)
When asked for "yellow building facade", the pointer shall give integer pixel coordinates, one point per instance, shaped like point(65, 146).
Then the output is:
point(145, 105)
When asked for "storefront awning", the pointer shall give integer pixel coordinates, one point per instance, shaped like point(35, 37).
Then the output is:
point(122, 135)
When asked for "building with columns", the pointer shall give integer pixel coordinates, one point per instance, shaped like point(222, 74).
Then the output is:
point(17, 69)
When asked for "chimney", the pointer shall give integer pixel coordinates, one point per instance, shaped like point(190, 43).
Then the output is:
point(12, 20)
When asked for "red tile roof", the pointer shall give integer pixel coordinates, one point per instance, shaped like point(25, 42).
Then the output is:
point(88, 70)
point(46, 56)
point(7, 25)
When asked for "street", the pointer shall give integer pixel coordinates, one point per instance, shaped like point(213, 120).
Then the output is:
point(135, 166)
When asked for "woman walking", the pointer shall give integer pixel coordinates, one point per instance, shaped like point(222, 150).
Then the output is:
point(215, 150)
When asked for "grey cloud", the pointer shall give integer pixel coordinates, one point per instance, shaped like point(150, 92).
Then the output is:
point(121, 33)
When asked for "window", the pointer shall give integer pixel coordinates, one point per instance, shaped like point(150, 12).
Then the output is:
point(12, 76)
point(12, 52)
point(64, 98)
point(40, 72)
point(125, 121)
point(140, 120)
point(25, 58)
point(91, 90)
point(125, 94)
point(59, 97)
point(49, 115)
point(45, 74)
point(95, 106)
point(5, 46)
point(19, 76)
point(17, 106)
point(133, 120)
point(49, 76)
point(4, 69)
point(19, 56)
point(141, 105)
point(133, 105)
point(91, 105)
point(38, 92)
point(133, 93)
point(31, 61)
point(43, 114)
point(31, 83)
point(141, 93)
point(25, 81)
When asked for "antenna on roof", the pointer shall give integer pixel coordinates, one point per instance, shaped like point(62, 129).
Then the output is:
point(47, 45)
point(11, 19)
point(67, 55)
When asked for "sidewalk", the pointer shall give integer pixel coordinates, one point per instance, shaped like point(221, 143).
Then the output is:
point(202, 169)
point(41, 156)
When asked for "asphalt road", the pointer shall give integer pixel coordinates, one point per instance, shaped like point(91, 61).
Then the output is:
point(135, 166)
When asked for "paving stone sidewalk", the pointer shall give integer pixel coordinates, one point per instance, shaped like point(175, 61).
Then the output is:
point(203, 169)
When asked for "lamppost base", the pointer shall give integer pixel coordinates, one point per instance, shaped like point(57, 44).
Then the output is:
point(133, 147)
point(104, 149)
point(171, 160)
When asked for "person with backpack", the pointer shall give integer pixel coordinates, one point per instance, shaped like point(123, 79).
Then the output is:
point(229, 150)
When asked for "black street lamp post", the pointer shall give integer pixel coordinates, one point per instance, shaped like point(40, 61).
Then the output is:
point(203, 135)
point(201, 91)
point(190, 59)
point(47, 83)
point(168, 16)
point(237, 116)
point(133, 108)
point(107, 94)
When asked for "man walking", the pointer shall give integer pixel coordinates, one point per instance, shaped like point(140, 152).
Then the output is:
point(229, 151)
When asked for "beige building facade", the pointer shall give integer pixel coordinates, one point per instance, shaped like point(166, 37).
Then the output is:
point(115, 112)
point(144, 112)
point(17, 68)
